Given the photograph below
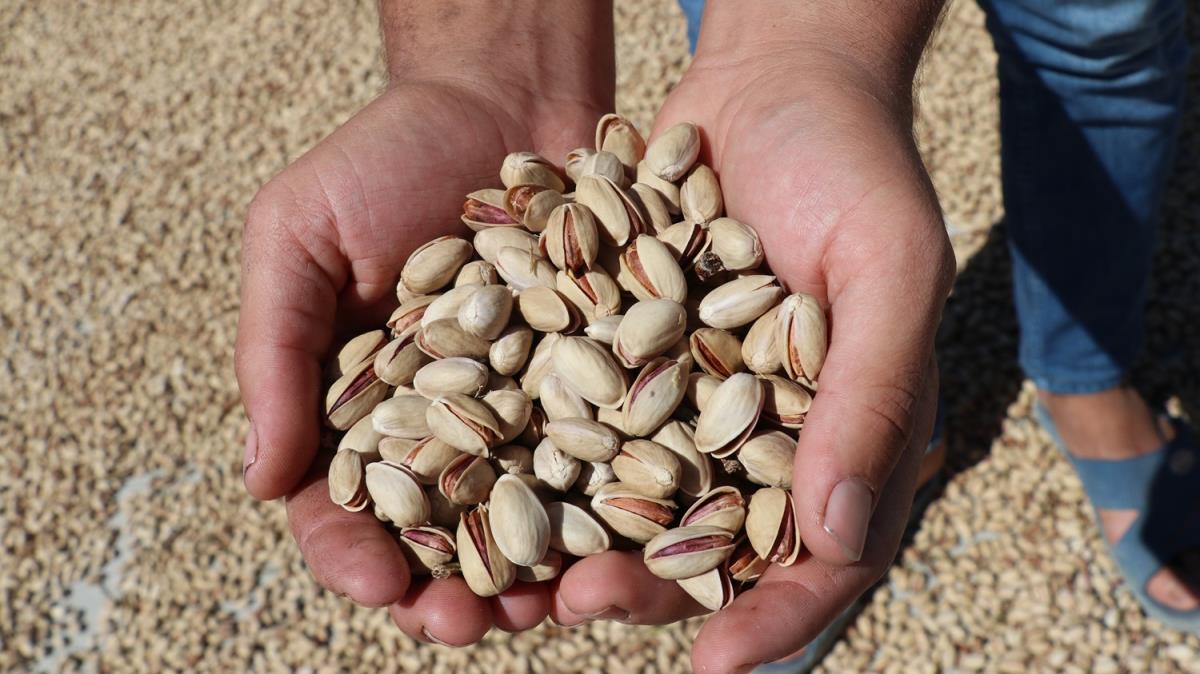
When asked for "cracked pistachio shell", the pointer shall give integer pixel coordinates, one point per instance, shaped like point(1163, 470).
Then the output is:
point(426, 458)
point(489, 242)
point(512, 408)
point(531, 205)
point(434, 264)
point(740, 301)
point(529, 168)
point(588, 368)
point(594, 293)
point(546, 310)
point(554, 467)
point(547, 569)
point(604, 329)
point(560, 402)
point(736, 244)
point(666, 189)
point(486, 570)
point(574, 531)
point(650, 328)
point(696, 477)
point(717, 352)
point(444, 338)
point(508, 353)
point(632, 514)
point(802, 336)
point(467, 480)
point(592, 476)
point(354, 395)
point(712, 589)
point(722, 507)
point(522, 269)
point(463, 422)
point(767, 458)
point(397, 494)
point(654, 396)
point(476, 273)
point(658, 214)
point(406, 319)
point(395, 449)
point(485, 312)
point(605, 165)
point(760, 350)
point(519, 523)
point(617, 215)
point(532, 435)
point(772, 528)
point(540, 364)
point(514, 459)
point(700, 195)
point(685, 552)
point(729, 415)
point(426, 548)
point(451, 375)
point(686, 241)
point(785, 402)
point(363, 347)
point(648, 467)
point(401, 417)
point(571, 240)
point(618, 135)
point(744, 564)
point(485, 208)
point(442, 512)
point(649, 271)
point(574, 162)
point(673, 152)
point(447, 304)
point(347, 480)
point(583, 438)
point(361, 437)
point(700, 386)
point(398, 362)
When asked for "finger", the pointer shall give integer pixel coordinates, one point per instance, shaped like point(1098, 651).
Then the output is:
point(789, 607)
point(349, 553)
point(617, 586)
point(521, 607)
point(443, 611)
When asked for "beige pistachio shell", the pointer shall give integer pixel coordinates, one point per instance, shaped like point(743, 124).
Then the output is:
point(700, 387)
point(425, 458)
point(772, 527)
point(685, 552)
point(574, 531)
point(736, 244)
point(399, 361)
point(612, 419)
point(362, 438)
point(354, 395)
point(696, 476)
point(802, 336)
point(467, 480)
point(406, 319)
point(605, 165)
point(632, 514)
point(489, 242)
point(445, 339)
point(700, 195)
point(712, 589)
point(486, 570)
point(402, 417)
point(686, 241)
point(666, 189)
point(554, 467)
point(397, 494)
point(540, 364)
point(619, 136)
point(740, 301)
point(451, 375)
point(347, 480)
point(673, 152)
point(654, 396)
point(785, 402)
point(477, 273)
point(617, 215)
point(571, 240)
point(744, 564)
point(519, 522)
point(545, 310)
point(650, 328)
point(529, 168)
point(394, 449)
point(426, 548)
point(447, 304)
point(575, 160)
point(531, 205)
point(768, 457)
point(463, 422)
point(658, 213)
point(547, 569)
point(514, 459)
point(522, 269)
point(442, 512)
point(649, 271)
point(560, 402)
point(485, 313)
point(603, 330)
point(511, 408)
point(589, 369)
point(760, 350)
point(648, 467)
point(509, 352)
point(583, 438)
point(721, 507)
point(532, 435)
point(730, 415)
point(594, 293)
point(435, 264)
point(717, 352)
point(485, 208)
point(593, 476)
point(363, 347)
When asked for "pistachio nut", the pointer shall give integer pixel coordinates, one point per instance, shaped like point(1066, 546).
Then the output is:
point(605, 165)
point(467, 480)
point(507, 355)
point(574, 531)
point(531, 205)
point(362, 438)
point(451, 375)
point(485, 313)
point(575, 160)
point(649, 271)
point(685, 552)
point(362, 347)
point(686, 241)
point(513, 459)
point(399, 361)
point(571, 240)
point(653, 206)
point(695, 477)
point(547, 569)
point(406, 319)
point(772, 527)
point(744, 564)
point(617, 215)
point(426, 548)
point(767, 458)
point(347, 483)
point(442, 512)
point(648, 467)
point(486, 570)
point(560, 402)
point(489, 242)
point(592, 476)
point(700, 386)
point(545, 310)
point(717, 352)
point(735, 244)
point(612, 419)
point(519, 523)
point(619, 136)
point(760, 349)
point(463, 422)
point(588, 368)
point(444, 338)
point(554, 467)
point(740, 301)
point(785, 402)
point(354, 395)
point(476, 273)
point(673, 152)
point(529, 168)
point(583, 438)
point(666, 189)
point(393, 449)
point(485, 208)
point(434, 264)
point(425, 458)
point(397, 494)
point(604, 329)
point(650, 328)
point(511, 408)
point(722, 507)
point(594, 293)
point(654, 396)
point(447, 304)
point(521, 268)
point(401, 417)
point(712, 589)
point(632, 514)
point(729, 415)
point(540, 364)
point(802, 336)
point(700, 195)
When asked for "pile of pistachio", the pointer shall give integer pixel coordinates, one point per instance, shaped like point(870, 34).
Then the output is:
point(606, 367)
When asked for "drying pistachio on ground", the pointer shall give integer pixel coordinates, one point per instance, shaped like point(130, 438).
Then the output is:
point(687, 551)
point(673, 152)
point(485, 313)
point(760, 350)
point(489, 242)
point(571, 240)
point(519, 522)
point(583, 438)
point(547, 569)
point(729, 415)
point(476, 273)
point(592, 476)
point(768, 457)
point(802, 336)
point(588, 368)
point(712, 589)
point(509, 352)
point(531, 205)
point(354, 395)
point(486, 570)
point(631, 513)
point(654, 396)
point(649, 271)
point(619, 136)
point(594, 293)
point(700, 195)
point(529, 168)
point(451, 375)
point(740, 301)
point(574, 531)
point(434, 264)
point(648, 467)
point(554, 467)
point(397, 494)
point(426, 548)
point(650, 328)
point(426, 458)
point(560, 402)
point(545, 310)
point(785, 402)
point(772, 528)
point(445, 339)
point(347, 480)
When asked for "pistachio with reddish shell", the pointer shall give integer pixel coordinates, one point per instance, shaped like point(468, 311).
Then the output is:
point(426, 548)
point(531, 205)
point(583, 438)
point(347, 480)
point(486, 570)
point(722, 507)
point(444, 338)
point(712, 589)
point(401, 417)
point(485, 313)
point(489, 242)
point(594, 293)
point(463, 422)
point(695, 477)
point(760, 350)
point(785, 402)
point(529, 168)
point(354, 395)
point(631, 513)
point(686, 241)
point(673, 152)
point(717, 352)
point(700, 195)
point(730, 415)
point(545, 310)
point(685, 552)
point(426, 458)
point(740, 301)
point(767, 458)
point(648, 467)
point(451, 375)
point(802, 336)
point(560, 402)
point(476, 273)
point(744, 564)
point(574, 531)
point(619, 136)
point(588, 368)
point(511, 408)
point(571, 240)
point(509, 352)
point(523, 269)
point(485, 208)
point(649, 271)
point(772, 527)
point(397, 494)
point(434, 264)
point(406, 319)
point(654, 396)
point(467, 480)
point(554, 467)
point(519, 522)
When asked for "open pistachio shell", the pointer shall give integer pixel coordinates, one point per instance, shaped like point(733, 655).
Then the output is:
point(397, 494)
point(574, 531)
point(802, 336)
point(648, 467)
point(631, 513)
point(730, 415)
point(654, 396)
point(486, 570)
point(649, 271)
point(687, 551)
point(426, 458)
point(485, 208)
point(519, 523)
point(785, 402)
point(426, 548)
point(467, 480)
point(712, 589)
point(722, 507)
point(354, 395)
point(696, 477)
point(772, 527)
point(463, 422)
point(347, 480)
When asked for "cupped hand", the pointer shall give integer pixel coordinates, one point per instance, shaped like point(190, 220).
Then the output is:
point(323, 244)
point(818, 156)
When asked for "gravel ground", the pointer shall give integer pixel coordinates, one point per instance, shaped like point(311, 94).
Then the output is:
point(132, 137)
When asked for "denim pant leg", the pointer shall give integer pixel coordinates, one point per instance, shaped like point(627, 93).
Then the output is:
point(1091, 97)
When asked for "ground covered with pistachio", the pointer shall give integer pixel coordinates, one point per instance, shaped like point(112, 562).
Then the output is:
point(133, 136)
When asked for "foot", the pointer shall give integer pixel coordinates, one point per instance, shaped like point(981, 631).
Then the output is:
point(1118, 424)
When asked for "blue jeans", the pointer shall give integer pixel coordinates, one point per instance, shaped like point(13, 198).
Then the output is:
point(1091, 94)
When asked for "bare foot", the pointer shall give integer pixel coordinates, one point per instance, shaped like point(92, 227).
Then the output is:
point(1118, 424)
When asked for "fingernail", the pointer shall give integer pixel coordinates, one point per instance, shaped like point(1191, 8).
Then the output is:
point(434, 639)
point(847, 515)
point(251, 453)
point(611, 613)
